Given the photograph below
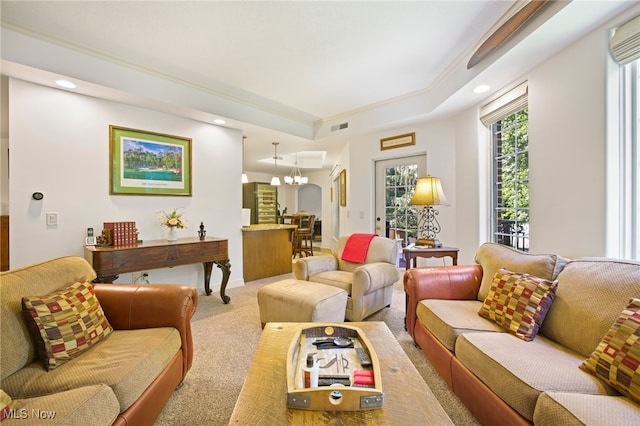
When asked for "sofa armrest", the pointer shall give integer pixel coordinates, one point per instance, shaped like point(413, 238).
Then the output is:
point(306, 266)
point(370, 277)
point(132, 306)
point(460, 282)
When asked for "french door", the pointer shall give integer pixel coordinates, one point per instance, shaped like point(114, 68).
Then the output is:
point(395, 182)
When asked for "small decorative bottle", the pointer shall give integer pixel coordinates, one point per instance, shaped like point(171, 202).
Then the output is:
point(311, 372)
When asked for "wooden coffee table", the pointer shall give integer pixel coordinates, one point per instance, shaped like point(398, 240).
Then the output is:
point(263, 399)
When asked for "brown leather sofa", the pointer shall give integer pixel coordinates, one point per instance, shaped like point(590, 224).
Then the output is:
point(502, 379)
point(125, 379)
point(130, 307)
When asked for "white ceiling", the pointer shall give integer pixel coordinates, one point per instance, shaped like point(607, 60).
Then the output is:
point(286, 71)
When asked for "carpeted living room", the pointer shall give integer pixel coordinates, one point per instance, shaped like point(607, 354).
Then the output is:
point(225, 338)
point(389, 212)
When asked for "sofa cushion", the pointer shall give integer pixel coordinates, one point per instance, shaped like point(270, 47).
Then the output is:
point(569, 409)
point(65, 323)
point(591, 293)
point(518, 371)
point(340, 279)
point(95, 405)
point(448, 319)
point(492, 257)
point(128, 362)
point(8, 405)
point(616, 360)
point(38, 278)
point(518, 302)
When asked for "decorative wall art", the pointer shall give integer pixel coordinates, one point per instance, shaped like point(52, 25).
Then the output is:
point(148, 163)
point(398, 141)
point(343, 187)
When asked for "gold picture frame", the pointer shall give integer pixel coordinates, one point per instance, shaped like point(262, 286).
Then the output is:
point(398, 141)
point(343, 188)
point(165, 169)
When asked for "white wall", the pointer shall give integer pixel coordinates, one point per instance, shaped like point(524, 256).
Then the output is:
point(310, 199)
point(567, 131)
point(567, 140)
point(59, 145)
point(437, 139)
point(567, 149)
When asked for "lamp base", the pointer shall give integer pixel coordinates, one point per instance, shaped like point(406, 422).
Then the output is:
point(435, 243)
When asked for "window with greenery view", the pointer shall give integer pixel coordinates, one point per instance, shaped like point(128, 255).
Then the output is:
point(400, 182)
point(510, 221)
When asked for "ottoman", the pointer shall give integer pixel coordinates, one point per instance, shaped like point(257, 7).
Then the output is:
point(301, 301)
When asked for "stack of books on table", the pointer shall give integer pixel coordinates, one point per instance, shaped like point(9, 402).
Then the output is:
point(122, 233)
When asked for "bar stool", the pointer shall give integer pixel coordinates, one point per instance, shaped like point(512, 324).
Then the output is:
point(303, 238)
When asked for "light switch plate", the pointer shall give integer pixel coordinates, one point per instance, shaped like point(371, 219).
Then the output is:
point(52, 218)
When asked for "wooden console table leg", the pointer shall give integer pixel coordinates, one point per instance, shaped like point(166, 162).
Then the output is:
point(225, 266)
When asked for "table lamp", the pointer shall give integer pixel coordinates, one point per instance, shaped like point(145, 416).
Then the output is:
point(428, 193)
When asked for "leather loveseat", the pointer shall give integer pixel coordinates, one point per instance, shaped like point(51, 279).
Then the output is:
point(504, 379)
point(124, 379)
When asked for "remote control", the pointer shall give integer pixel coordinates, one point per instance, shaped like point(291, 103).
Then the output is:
point(365, 360)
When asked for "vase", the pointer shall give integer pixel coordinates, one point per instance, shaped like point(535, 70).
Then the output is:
point(173, 233)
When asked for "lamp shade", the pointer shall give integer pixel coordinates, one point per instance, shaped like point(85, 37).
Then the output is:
point(428, 193)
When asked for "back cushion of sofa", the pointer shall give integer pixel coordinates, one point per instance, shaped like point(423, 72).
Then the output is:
point(591, 294)
point(18, 348)
point(492, 257)
point(381, 249)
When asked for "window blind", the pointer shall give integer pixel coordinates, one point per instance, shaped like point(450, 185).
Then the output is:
point(625, 42)
point(507, 104)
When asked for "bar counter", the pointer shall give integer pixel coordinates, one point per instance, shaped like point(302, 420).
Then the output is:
point(266, 250)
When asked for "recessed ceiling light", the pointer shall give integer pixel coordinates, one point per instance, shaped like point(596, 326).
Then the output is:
point(219, 121)
point(481, 89)
point(66, 84)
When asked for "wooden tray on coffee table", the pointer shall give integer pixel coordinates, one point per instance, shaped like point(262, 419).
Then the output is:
point(346, 384)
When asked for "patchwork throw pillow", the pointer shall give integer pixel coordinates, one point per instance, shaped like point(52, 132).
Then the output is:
point(493, 256)
point(616, 359)
point(518, 302)
point(9, 407)
point(65, 323)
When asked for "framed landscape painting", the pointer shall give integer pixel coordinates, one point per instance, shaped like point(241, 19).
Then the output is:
point(148, 163)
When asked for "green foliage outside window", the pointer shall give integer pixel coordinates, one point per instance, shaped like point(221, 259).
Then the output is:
point(400, 184)
point(511, 179)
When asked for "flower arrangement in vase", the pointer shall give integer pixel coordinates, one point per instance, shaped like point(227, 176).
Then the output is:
point(173, 221)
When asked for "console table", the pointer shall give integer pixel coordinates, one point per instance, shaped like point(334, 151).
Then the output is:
point(110, 261)
point(411, 254)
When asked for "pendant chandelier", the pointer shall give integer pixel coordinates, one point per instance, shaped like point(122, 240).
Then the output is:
point(275, 180)
point(295, 177)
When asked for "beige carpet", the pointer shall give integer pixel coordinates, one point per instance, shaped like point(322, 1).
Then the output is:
point(225, 337)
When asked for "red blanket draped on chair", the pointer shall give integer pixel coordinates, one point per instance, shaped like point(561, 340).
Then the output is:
point(357, 247)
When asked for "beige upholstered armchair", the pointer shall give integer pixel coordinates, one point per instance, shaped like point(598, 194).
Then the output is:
point(369, 284)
